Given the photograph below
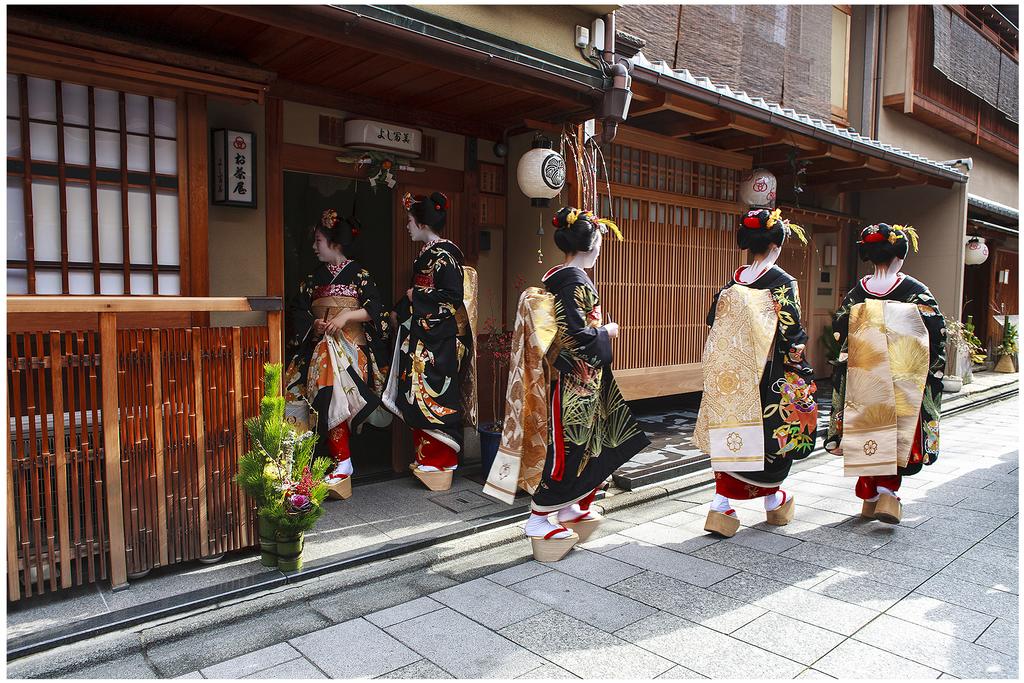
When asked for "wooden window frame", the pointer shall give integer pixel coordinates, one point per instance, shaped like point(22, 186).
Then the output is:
point(841, 115)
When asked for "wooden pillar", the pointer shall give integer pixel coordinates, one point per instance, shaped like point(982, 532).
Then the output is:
point(198, 146)
point(275, 222)
point(112, 450)
point(60, 458)
point(157, 411)
point(13, 588)
point(197, 370)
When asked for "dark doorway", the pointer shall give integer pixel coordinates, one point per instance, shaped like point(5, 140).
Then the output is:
point(306, 196)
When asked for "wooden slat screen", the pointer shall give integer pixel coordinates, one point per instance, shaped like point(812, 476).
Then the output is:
point(181, 394)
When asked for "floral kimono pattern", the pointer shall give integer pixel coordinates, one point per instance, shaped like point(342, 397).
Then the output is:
point(337, 379)
point(925, 446)
point(591, 430)
point(789, 412)
point(434, 347)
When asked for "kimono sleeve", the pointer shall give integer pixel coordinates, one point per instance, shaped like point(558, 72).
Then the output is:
point(300, 310)
point(714, 307)
point(433, 308)
point(592, 345)
point(841, 330)
point(931, 404)
point(378, 325)
point(791, 340)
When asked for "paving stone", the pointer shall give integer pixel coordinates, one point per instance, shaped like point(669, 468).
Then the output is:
point(677, 565)
point(989, 575)
point(520, 572)
point(345, 605)
point(463, 647)
point(859, 565)
point(418, 670)
point(492, 605)
point(582, 649)
point(1002, 635)
point(936, 650)
point(840, 506)
point(132, 666)
point(683, 539)
point(972, 596)
point(606, 543)
point(239, 667)
point(803, 605)
point(547, 672)
point(1005, 484)
point(705, 607)
point(191, 674)
point(762, 540)
point(205, 647)
point(407, 610)
point(839, 538)
point(596, 568)
point(589, 603)
point(680, 673)
point(861, 591)
point(706, 651)
point(1006, 536)
point(773, 566)
point(993, 554)
point(853, 659)
point(815, 674)
point(474, 565)
point(1003, 504)
point(974, 529)
point(368, 650)
point(930, 539)
point(296, 669)
point(914, 556)
point(796, 640)
point(940, 616)
point(638, 514)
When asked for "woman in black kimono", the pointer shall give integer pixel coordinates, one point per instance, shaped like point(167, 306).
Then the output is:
point(788, 412)
point(434, 346)
point(592, 429)
point(885, 247)
point(341, 336)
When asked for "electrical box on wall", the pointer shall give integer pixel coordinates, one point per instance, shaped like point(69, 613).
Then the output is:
point(582, 36)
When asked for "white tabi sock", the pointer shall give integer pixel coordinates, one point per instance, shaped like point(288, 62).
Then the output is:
point(773, 501)
point(882, 490)
point(538, 526)
point(573, 512)
point(343, 469)
point(429, 468)
point(720, 503)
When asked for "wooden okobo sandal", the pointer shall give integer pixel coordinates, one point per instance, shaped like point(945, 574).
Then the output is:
point(722, 523)
point(339, 488)
point(435, 481)
point(888, 509)
point(584, 527)
point(549, 549)
point(782, 515)
point(867, 510)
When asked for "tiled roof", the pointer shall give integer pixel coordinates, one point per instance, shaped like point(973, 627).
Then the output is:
point(826, 127)
point(993, 207)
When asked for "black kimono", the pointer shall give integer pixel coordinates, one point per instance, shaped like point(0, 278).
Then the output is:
point(789, 412)
point(434, 347)
point(925, 449)
point(592, 430)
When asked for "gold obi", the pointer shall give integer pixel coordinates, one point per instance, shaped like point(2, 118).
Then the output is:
point(462, 320)
point(332, 306)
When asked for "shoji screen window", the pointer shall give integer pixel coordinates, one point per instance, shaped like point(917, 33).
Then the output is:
point(92, 190)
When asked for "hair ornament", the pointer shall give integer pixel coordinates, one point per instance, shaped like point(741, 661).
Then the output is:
point(795, 230)
point(906, 231)
point(408, 200)
point(329, 218)
point(774, 217)
point(607, 224)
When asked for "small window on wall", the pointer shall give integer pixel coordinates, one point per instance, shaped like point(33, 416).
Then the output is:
point(92, 190)
point(840, 62)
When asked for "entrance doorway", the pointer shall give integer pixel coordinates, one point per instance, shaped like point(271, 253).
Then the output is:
point(306, 196)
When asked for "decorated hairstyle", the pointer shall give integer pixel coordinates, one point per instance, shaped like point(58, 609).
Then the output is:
point(577, 230)
point(431, 211)
point(760, 228)
point(881, 243)
point(340, 232)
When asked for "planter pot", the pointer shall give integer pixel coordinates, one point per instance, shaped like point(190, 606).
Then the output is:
point(268, 543)
point(489, 442)
point(289, 551)
point(1005, 364)
point(952, 384)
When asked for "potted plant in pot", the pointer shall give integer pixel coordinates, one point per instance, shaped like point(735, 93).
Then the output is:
point(1007, 349)
point(276, 473)
point(958, 356)
point(976, 352)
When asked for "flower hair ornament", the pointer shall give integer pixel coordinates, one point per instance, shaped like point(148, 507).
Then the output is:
point(329, 218)
point(603, 224)
point(408, 200)
point(889, 233)
point(755, 219)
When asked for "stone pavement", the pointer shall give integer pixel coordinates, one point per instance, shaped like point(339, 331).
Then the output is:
point(653, 596)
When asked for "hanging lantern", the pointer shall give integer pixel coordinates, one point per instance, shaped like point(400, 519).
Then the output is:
point(541, 173)
point(757, 189)
point(976, 251)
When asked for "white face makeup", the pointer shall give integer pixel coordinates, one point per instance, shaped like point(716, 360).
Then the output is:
point(418, 233)
point(324, 250)
point(590, 257)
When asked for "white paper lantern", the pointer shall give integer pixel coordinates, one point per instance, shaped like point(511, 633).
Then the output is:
point(976, 251)
point(541, 173)
point(757, 189)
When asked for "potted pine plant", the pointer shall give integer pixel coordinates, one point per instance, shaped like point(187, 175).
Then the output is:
point(277, 473)
point(1007, 349)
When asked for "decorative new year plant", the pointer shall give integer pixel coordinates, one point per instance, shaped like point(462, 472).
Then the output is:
point(279, 473)
point(1008, 347)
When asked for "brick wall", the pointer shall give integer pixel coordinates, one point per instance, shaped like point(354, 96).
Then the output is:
point(779, 52)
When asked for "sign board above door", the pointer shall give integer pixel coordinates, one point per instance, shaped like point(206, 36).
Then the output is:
point(387, 137)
